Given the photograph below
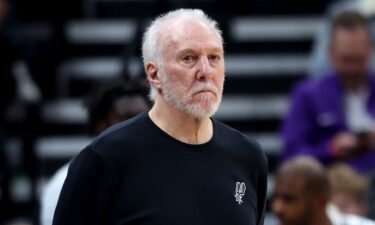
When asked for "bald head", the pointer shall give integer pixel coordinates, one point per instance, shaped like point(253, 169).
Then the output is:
point(301, 193)
point(310, 172)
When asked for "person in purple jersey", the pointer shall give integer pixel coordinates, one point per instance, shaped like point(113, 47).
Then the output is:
point(332, 118)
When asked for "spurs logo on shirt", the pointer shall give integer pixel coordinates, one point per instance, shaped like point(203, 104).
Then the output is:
point(240, 191)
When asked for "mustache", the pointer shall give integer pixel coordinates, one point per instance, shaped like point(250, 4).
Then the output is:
point(204, 87)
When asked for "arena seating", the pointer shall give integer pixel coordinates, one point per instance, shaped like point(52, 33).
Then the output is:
point(267, 46)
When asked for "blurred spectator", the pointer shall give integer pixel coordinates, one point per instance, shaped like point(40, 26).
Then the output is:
point(16, 85)
point(320, 63)
point(332, 118)
point(114, 102)
point(110, 105)
point(349, 190)
point(302, 193)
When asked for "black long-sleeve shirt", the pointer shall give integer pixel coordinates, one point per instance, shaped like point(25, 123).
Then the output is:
point(134, 173)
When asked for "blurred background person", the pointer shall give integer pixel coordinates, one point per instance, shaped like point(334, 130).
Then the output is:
point(320, 63)
point(112, 103)
point(348, 189)
point(302, 193)
point(332, 118)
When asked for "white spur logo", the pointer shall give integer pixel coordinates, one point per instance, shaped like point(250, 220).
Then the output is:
point(240, 192)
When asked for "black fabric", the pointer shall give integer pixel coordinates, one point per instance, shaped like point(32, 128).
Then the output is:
point(8, 93)
point(134, 173)
point(371, 196)
point(7, 80)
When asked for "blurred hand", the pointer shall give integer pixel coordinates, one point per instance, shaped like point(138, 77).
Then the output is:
point(345, 144)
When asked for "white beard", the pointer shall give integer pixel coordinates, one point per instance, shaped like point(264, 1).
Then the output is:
point(204, 108)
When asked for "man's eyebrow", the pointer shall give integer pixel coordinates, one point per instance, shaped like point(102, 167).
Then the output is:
point(187, 50)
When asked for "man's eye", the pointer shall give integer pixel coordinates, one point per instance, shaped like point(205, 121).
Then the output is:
point(289, 199)
point(214, 57)
point(188, 58)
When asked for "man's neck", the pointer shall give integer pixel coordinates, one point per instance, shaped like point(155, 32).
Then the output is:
point(322, 220)
point(180, 125)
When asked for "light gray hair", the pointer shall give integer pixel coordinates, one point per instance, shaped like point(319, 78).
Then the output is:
point(151, 44)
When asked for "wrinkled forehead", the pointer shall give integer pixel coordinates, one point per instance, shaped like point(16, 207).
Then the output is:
point(184, 31)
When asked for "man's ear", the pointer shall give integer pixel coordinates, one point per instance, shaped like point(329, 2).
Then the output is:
point(152, 71)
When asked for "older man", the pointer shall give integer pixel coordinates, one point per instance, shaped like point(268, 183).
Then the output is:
point(174, 164)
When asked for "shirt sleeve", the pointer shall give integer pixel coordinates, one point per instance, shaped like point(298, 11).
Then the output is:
point(299, 133)
point(262, 190)
point(87, 192)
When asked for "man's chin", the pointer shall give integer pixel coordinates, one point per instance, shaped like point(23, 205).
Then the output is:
point(201, 112)
point(197, 108)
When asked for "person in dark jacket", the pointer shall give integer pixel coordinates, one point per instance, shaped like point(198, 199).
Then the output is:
point(174, 164)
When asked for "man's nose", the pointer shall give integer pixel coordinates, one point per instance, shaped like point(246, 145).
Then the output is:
point(205, 69)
